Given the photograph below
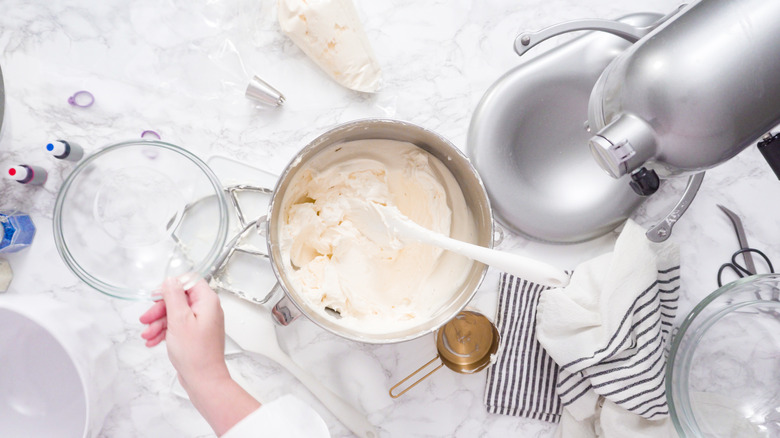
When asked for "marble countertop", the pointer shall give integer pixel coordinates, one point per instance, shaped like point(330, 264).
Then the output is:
point(179, 67)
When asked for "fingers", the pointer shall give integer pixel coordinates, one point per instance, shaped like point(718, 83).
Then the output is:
point(175, 299)
point(203, 298)
point(176, 307)
point(154, 328)
point(156, 340)
point(154, 313)
point(201, 291)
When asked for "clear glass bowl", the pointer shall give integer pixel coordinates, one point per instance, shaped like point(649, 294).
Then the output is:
point(134, 213)
point(723, 373)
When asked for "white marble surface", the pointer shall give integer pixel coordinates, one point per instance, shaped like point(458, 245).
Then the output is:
point(158, 65)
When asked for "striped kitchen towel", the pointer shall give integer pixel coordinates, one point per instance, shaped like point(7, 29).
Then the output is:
point(523, 379)
point(608, 328)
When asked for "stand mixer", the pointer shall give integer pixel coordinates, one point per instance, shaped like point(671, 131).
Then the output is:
point(696, 88)
point(689, 94)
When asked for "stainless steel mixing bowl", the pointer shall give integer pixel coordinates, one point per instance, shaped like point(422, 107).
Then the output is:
point(457, 163)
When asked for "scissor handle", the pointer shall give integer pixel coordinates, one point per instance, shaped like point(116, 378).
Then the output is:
point(756, 251)
point(736, 269)
point(740, 270)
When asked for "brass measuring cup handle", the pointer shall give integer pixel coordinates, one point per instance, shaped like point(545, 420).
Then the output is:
point(466, 344)
point(416, 381)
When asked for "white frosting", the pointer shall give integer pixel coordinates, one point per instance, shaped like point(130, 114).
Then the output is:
point(376, 285)
point(330, 33)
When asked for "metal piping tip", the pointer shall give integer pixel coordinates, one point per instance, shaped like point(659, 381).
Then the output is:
point(263, 92)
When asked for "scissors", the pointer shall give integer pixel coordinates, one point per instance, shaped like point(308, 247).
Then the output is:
point(749, 266)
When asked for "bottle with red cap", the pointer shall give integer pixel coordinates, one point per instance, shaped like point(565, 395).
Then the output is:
point(27, 174)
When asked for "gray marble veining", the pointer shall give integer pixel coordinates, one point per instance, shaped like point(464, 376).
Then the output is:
point(174, 66)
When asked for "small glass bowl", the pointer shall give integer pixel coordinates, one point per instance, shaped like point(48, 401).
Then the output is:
point(135, 213)
point(722, 377)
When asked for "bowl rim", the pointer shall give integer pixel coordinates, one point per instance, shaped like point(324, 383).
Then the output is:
point(203, 268)
point(679, 425)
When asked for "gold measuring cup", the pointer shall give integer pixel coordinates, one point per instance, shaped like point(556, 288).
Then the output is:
point(466, 345)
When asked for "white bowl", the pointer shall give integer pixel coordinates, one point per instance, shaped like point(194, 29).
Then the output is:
point(56, 370)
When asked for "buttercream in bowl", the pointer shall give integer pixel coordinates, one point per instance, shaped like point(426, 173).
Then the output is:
point(373, 286)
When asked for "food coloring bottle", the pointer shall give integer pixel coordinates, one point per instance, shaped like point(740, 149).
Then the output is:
point(65, 150)
point(27, 174)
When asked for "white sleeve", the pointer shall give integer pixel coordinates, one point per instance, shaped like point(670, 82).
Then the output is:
point(286, 416)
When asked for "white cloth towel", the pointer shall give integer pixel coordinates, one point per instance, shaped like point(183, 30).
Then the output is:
point(612, 421)
point(608, 330)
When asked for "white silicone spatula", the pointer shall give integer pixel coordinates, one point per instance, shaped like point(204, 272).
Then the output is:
point(251, 327)
point(385, 224)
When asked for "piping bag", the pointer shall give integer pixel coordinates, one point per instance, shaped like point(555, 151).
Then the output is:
point(331, 34)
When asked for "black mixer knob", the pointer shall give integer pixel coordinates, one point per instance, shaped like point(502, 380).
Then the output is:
point(645, 182)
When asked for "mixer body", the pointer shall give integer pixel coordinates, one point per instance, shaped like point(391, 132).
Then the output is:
point(692, 93)
point(697, 87)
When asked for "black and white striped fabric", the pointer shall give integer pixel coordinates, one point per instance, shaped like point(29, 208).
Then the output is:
point(608, 328)
point(629, 370)
point(522, 382)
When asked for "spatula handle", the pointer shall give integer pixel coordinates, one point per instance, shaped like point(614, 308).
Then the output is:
point(517, 265)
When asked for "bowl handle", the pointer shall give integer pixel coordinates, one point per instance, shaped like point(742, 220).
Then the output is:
point(526, 40)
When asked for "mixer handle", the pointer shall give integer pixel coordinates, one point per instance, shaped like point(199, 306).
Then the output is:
point(526, 40)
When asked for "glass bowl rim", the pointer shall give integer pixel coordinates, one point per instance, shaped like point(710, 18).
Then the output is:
point(682, 330)
point(203, 268)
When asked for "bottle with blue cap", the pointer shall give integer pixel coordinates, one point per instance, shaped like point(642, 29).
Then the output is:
point(65, 150)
